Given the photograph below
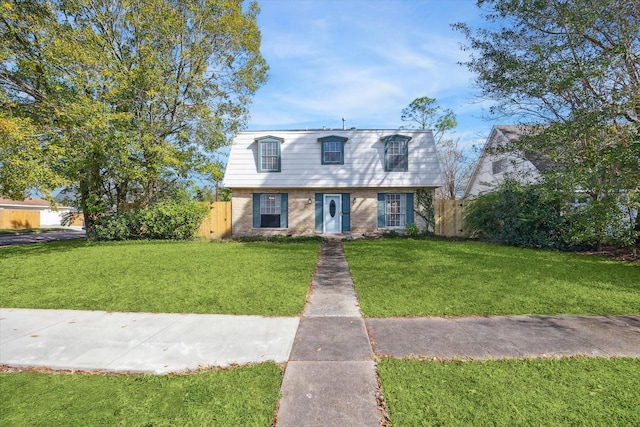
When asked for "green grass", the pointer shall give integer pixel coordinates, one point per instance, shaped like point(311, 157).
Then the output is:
point(238, 397)
point(444, 278)
point(547, 392)
point(173, 277)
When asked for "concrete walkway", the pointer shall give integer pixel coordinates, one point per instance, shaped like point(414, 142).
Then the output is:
point(330, 379)
point(140, 342)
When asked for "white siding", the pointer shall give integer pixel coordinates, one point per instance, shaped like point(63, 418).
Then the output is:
point(483, 180)
point(363, 166)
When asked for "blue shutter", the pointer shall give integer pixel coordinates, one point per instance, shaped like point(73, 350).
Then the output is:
point(319, 219)
point(409, 206)
point(346, 212)
point(256, 210)
point(405, 153)
point(279, 158)
point(381, 208)
point(386, 162)
point(284, 210)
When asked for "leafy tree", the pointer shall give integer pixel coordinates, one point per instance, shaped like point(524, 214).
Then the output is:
point(224, 194)
point(24, 163)
point(125, 100)
point(205, 194)
point(573, 69)
point(425, 113)
point(455, 163)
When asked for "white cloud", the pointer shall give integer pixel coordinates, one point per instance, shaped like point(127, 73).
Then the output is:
point(362, 60)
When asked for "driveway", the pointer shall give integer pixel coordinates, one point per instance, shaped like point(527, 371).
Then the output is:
point(55, 236)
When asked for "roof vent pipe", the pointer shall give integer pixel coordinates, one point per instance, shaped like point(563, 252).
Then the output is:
point(344, 126)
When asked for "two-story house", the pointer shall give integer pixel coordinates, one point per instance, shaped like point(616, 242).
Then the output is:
point(304, 182)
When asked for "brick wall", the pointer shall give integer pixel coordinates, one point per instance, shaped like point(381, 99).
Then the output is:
point(364, 211)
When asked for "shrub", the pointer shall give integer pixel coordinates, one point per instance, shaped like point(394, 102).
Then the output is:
point(519, 214)
point(176, 220)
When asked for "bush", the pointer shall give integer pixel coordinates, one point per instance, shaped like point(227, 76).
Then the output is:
point(519, 215)
point(166, 220)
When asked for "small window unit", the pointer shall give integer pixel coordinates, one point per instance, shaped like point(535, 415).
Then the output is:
point(332, 150)
point(499, 166)
point(270, 210)
point(396, 153)
point(269, 157)
point(395, 210)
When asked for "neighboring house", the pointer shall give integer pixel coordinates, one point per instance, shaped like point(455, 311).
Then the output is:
point(48, 216)
point(328, 181)
point(492, 167)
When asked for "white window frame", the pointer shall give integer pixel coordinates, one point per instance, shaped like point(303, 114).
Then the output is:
point(269, 156)
point(395, 210)
point(270, 204)
point(333, 148)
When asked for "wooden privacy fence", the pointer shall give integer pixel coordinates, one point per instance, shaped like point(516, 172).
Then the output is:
point(449, 217)
point(18, 218)
point(217, 223)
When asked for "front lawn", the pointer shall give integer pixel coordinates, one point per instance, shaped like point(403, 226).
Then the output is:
point(173, 277)
point(544, 392)
point(445, 278)
point(238, 397)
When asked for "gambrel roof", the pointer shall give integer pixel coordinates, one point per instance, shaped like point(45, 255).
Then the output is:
point(497, 148)
point(363, 166)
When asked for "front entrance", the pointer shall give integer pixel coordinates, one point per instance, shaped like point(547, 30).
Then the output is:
point(332, 214)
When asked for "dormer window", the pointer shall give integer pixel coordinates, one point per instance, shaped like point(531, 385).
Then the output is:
point(332, 151)
point(396, 153)
point(269, 159)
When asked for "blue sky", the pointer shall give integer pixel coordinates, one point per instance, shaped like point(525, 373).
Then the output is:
point(364, 60)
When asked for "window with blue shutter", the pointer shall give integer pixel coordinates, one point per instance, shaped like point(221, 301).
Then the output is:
point(270, 210)
point(269, 154)
point(332, 150)
point(396, 153)
point(395, 210)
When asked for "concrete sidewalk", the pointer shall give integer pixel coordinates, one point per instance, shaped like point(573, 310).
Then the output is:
point(140, 342)
point(499, 337)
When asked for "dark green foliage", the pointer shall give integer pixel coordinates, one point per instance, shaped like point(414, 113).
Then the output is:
point(520, 215)
point(177, 220)
point(571, 70)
